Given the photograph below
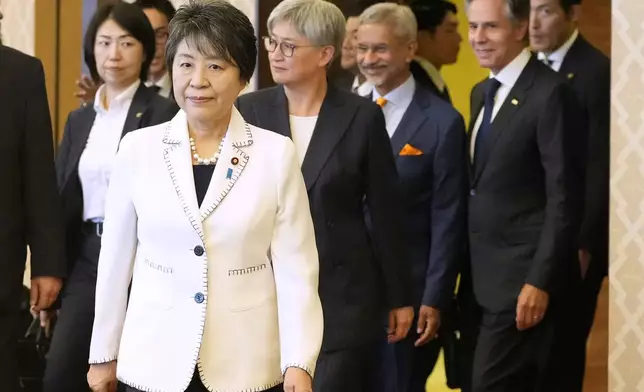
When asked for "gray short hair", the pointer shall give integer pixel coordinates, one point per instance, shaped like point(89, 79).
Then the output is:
point(516, 10)
point(319, 21)
point(400, 17)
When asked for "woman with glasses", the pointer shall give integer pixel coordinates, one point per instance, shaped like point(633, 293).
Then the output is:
point(347, 162)
point(209, 217)
point(119, 46)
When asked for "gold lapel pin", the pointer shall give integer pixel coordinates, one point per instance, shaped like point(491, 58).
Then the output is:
point(571, 75)
point(139, 114)
point(514, 102)
point(234, 161)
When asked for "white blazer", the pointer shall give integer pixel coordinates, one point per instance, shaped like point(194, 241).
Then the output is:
point(231, 287)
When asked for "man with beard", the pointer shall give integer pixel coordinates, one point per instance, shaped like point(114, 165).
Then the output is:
point(428, 139)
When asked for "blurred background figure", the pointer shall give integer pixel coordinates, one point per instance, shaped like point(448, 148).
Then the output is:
point(439, 43)
point(159, 13)
point(119, 47)
point(556, 39)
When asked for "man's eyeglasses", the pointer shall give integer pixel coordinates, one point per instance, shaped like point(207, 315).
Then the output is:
point(286, 48)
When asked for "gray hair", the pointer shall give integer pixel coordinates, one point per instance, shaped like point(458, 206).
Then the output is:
point(319, 21)
point(399, 17)
point(516, 10)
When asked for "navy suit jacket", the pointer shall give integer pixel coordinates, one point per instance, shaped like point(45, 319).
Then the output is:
point(434, 188)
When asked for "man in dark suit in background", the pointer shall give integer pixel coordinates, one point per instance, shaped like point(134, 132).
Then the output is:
point(438, 43)
point(29, 203)
point(341, 141)
point(554, 34)
point(525, 184)
point(429, 143)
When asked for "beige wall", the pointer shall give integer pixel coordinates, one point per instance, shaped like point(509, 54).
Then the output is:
point(18, 24)
point(626, 358)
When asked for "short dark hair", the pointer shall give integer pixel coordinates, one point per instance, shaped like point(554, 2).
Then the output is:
point(163, 6)
point(217, 29)
point(567, 4)
point(132, 19)
point(431, 13)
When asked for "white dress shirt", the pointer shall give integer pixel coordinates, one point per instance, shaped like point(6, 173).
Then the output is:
point(361, 89)
point(301, 132)
point(164, 84)
point(433, 72)
point(557, 57)
point(95, 165)
point(508, 76)
point(398, 101)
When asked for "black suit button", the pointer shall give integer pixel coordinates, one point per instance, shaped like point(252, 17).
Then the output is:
point(199, 250)
point(472, 192)
point(330, 224)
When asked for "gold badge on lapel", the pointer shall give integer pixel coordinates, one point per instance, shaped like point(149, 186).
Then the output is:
point(514, 102)
point(234, 161)
point(570, 75)
point(139, 114)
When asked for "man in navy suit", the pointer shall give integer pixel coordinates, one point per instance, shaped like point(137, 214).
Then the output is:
point(429, 142)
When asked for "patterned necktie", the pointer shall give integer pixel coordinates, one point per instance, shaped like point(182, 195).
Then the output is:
point(381, 101)
point(491, 88)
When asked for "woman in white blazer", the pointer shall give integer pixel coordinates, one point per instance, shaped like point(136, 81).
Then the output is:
point(208, 217)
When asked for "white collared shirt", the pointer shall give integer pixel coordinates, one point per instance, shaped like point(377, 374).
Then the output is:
point(508, 76)
point(164, 84)
point(363, 89)
point(557, 57)
point(433, 72)
point(398, 101)
point(95, 165)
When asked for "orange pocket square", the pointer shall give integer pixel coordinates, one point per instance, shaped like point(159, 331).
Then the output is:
point(410, 150)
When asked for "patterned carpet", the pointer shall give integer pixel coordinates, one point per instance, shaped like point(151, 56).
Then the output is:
point(436, 382)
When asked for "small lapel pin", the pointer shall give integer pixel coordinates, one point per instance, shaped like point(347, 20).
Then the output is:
point(234, 161)
point(514, 102)
point(229, 173)
point(139, 114)
point(571, 75)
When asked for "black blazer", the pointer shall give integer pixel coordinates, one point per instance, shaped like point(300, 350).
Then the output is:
point(434, 188)
point(349, 159)
point(588, 71)
point(422, 77)
point(523, 197)
point(29, 203)
point(147, 108)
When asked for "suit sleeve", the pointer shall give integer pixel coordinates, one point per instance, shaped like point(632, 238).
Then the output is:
point(384, 205)
point(296, 268)
point(62, 157)
point(449, 185)
point(116, 261)
point(558, 117)
point(594, 230)
point(42, 204)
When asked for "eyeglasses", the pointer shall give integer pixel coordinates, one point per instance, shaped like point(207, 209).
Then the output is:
point(286, 48)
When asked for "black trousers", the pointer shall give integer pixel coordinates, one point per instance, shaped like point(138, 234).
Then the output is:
point(197, 386)
point(9, 321)
point(348, 370)
point(67, 359)
point(509, 360)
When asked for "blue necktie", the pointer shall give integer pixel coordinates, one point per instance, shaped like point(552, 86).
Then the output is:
point(486, 124)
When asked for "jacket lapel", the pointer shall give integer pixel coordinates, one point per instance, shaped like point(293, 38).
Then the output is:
point(81, 129)
point(569, 65)
point(411, 121)
point(512, 104)
point(232, 162)
point(333, 121)
point(275, 115)
point(137, 109)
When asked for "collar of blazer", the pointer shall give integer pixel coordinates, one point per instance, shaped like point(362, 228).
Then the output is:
point(512, 104)
point(233, 160)
point(81, 121)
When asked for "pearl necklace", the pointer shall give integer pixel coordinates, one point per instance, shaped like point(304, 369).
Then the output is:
point(206, 161)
